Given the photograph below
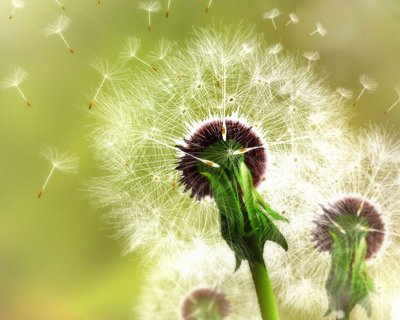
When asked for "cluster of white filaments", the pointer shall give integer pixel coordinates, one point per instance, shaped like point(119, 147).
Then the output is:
point(364, 166)
point(219, 75)
point(58, 27)
point(203, 267)
point(15, 80)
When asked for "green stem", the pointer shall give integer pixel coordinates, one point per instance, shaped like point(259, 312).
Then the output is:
point(265, 295)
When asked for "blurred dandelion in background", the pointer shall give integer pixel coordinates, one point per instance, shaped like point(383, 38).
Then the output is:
point(58, 27)
point(60, 161)
point(14, 81)
point(363, 189)
point(397, 89)
point(60, 5)
point(311, 56)
point(293, 19)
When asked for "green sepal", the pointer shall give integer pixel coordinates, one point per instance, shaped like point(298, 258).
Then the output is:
point(348, 282)
point(246, 219)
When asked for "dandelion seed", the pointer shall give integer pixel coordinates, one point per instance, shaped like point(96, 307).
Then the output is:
point(208, 5)
point(368, 84)
point(150, 6)
point(109, 73)
point(60, 4)
point(397, 89)
point(344, 93)
point(63, 162)
point(16, 4)
point(311, 56)
point(168, 9)
point(130, 50)
point(320, 29)
point(275, 50)
point(293, 18)
point(58, 27)
point(272, 15)
point(15, 80)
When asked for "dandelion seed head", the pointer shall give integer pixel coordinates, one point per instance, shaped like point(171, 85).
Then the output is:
point(311, 55)
point(17, 4)
point(321, 29)
point(62, 161)
point(150, 6)
point(18, 76)
point(131, 47)
point(200, 84)
point(365, 175)
point(58, 26)
point(344, 93)
point(368, 82)
point(108, 71)
point(275, 49)
point(272, 14)
point(195, 279)
point(294, 18)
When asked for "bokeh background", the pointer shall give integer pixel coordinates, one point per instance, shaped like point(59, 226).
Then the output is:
point(59, 259)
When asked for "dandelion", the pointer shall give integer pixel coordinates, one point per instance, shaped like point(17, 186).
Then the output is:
point(344, 93)
point(108, 72)
point(208, 5)
point(275, 50)
point(368, 84)
point(272, 15)
point(320, 29)
point(199, 284)
point(293, 18)
point(343, 239)
point(58, 27)
point(150, 6)
point(311, 56)
point(188, 155)
point(14, 81)
point(16, 4)
point(63, 162)
point(397, 89)
point(60, 4)
point(130, 50)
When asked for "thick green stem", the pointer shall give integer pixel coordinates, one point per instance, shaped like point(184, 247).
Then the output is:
point(265, 296)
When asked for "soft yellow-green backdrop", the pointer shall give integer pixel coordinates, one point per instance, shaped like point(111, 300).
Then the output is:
point(58, 257)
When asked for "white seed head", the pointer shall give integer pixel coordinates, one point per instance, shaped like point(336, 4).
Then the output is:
point(58, 26)
point(366, 165)
point(294, 18)
point(272, 14)
point(108, 71)
point(202, 268)
point(18, 76)
point(344, 92)
point(275, 49)
point(131, 47)
point(151, 112)
point(18, 4)
point(368, 82)
point(62, 161)
point(150, 6)
point(164, 47)
point(321, 30)
point(311, 55)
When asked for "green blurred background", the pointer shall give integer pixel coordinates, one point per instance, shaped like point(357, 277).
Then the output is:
point(58, 257)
